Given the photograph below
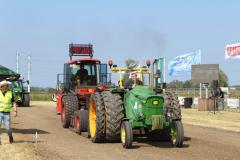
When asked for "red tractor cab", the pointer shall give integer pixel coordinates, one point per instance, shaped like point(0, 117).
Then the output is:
point(80, 79)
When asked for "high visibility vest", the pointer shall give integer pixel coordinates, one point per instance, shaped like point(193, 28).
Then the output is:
point(6, 101)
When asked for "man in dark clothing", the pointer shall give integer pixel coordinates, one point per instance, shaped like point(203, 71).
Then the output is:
point(81, 75)
point(221, 94)
point(220, 99)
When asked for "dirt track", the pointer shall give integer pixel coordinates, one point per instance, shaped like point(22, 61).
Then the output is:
point(54, 142)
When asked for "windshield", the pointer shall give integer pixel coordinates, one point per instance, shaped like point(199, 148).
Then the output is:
point(84, 74)
point(15, 84)
point(135, 78)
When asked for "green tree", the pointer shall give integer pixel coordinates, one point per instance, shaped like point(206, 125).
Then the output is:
point(175, 84)
point(131, 63)
point(187, 84)
point(223, 79)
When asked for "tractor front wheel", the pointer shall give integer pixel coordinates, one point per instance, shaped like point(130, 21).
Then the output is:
point(96, 115)
point(126, 134)
point(177, 134)
point(81, 121)
point(26, 100)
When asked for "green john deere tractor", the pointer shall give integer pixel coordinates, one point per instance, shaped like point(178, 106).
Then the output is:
point(22, 97)
point(139, 103)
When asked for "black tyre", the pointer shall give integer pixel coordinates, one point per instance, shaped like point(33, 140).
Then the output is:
point(126, 134)
point(84, 120)
point(177, 134)
point(81, 121)
point(114, 115)
point(172, 107)
point(26, 100)
point(70, 105)
point(96, 115)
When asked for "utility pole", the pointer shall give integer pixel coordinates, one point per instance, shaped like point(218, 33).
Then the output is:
point(17, 65)
point(29, 72)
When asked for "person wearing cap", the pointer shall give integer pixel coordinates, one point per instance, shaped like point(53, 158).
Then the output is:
point(7, 102)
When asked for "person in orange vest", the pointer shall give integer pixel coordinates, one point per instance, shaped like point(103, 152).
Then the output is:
point(7, 102)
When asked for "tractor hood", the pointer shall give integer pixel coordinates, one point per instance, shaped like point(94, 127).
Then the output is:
point(143, 92)
point(8, 74)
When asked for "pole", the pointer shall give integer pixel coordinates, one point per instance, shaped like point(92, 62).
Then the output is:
point(200, 52)
point(200, 91)
point(17, 64)
point(29, 72)
point(206, 94)
point(164, 73)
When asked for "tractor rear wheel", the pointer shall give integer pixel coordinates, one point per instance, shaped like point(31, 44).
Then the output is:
point(177, 134)
point(96, 115)
point(70, 105)
point(26, 100)
point(126, 134)
point(114, 114)
point(172, 107)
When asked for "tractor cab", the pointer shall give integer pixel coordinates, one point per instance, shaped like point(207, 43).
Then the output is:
point(82, 75)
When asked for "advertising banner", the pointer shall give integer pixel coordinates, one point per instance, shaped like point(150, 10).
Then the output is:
point(232, 51)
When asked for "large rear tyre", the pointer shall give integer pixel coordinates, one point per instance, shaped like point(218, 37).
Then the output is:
point(172, 107)
point(114, 115)
point(96, 115)
point(70, 105)
point(177, 134)
point(26, 100)
point(126, 134)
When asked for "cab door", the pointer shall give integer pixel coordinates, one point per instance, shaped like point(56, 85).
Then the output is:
point(103, 74)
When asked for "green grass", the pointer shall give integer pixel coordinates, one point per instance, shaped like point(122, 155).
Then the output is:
point(43, 96)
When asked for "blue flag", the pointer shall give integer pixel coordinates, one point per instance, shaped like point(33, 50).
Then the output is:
point(181, 65)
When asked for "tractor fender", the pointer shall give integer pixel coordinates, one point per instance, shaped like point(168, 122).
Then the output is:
point(59, 103)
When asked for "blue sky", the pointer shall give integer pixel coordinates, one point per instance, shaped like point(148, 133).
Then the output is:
point(118, 30)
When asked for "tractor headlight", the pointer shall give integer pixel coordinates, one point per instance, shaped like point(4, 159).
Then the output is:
point(155, 102)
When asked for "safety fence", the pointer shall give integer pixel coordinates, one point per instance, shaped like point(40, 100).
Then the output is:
point(231, 96)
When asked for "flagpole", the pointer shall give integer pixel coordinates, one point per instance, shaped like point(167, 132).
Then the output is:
point(200, 91)
point(164, 74)
point(200, 56)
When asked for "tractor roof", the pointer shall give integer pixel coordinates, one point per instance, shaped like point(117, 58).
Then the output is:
point(9, 74)
point(82, 60)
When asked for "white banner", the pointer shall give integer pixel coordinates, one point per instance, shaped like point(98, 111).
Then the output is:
point(232, 103)
point(181, 100)
point(195, 101)
point(232, 51)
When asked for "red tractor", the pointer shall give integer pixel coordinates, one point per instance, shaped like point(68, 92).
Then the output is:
point(81, 78)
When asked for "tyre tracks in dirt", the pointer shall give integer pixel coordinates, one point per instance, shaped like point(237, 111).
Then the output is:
point(55, 142)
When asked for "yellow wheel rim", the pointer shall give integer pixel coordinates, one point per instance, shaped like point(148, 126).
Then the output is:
point(123, 135)
point(92, 118)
